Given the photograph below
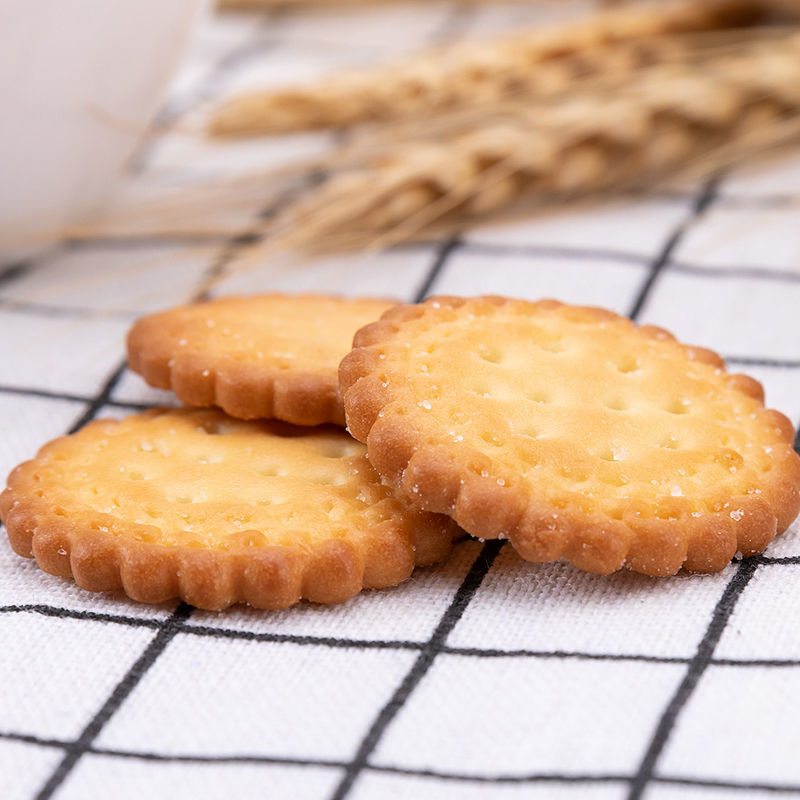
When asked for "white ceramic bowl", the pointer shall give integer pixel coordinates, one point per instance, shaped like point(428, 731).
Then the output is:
point(79, 82)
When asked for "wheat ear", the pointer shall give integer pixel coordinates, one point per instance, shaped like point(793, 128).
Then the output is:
point(478, 71)
point(658, 121)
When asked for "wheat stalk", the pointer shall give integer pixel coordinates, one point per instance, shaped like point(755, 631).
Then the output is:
point(658, 120)
point(539, 62)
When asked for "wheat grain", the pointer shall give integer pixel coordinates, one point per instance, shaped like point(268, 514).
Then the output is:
point(538, 63)
point(657, 121)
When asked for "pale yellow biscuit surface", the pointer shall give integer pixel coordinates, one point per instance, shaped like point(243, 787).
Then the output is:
point(197, 505)
point(572, 432)
point(260, 356)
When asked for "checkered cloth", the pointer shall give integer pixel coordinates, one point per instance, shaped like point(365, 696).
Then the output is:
point(484, 677)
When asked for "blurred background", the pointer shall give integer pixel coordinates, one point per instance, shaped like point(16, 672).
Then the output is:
point(355, 125)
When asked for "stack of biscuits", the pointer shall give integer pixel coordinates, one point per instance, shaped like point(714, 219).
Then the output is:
point(333, 444)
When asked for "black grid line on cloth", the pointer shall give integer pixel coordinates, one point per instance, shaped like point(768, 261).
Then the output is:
point(777, 363)
point(10, 272)
point(68, 613)
point(131, 241)
point(255, 235)
point(166, 633)
point(453, 613)
point(141, 406)
point(624, 257)
point(737, 273)
point(697, 667)
point(701, 204)
point(440, 775)
point(100, 399)
point(737, 584)
point(48, 310)
point(756, 202)
point(215, 632)
point(760, 202)
point(54, 311)
point(778, 560)
point(25, 391)
point(113, 242)
point(766, 201)
point(556, 251)
point(442, 256)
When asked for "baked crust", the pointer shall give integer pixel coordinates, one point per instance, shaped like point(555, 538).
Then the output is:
point(571, 432)
point(195, 505)
point(256, 357)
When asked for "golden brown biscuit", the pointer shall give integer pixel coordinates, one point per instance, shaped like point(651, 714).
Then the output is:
point(572, 432)
point(214, 510)
point(263, 356)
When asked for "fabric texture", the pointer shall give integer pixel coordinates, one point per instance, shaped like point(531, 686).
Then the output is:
point(485, 676)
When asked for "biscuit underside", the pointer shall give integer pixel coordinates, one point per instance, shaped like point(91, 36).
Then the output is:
point(571, 432)
point(256, 357)
point(214, 511)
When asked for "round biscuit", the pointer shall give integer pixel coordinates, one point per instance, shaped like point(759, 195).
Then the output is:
point(256, 357)
point(196, 505)
point(572, 432)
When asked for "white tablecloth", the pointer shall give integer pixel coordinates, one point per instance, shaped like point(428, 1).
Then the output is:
point(486, 676)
